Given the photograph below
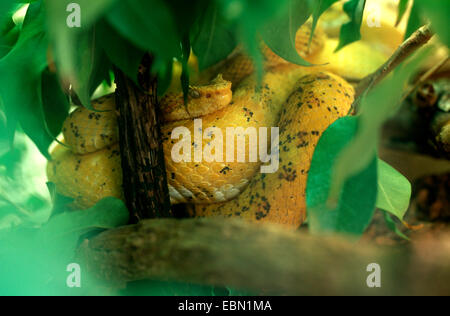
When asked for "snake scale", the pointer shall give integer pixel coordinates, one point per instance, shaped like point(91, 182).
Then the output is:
point(301, 101)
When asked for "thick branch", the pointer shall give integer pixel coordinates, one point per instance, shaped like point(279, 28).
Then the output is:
point(262, 259)
point(144, 175)
point(406, 49)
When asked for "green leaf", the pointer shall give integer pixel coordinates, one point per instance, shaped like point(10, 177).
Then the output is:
point(319, 7)
point(66, 41)
point(438, 12)
point(20, 81)
point(54, 102)
point(8, 40)
point(250, 17)
point(35, 266)
point(149, 24)
point(122, 53)
point(4, 140)
point(402, 6)
point(415, 20)
point(356, 204)
point(7, 9)
point(280, 33)
point(393, 226)
point(351, 31)
point(106, 214)
point(186, 53)
point(92, 66)
point(165, 75)
point(394, 190)
point(381, 103)
point(215, 39)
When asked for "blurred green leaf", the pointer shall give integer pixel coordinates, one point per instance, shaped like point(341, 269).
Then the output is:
point(7, 9)
point(149, 24)
point(414, 21)
point(351, 31)
point(215, 39)
point(107, 213)
point(69, 43)
point(250, 18)
point(438, 12)
point(162, 288)
point(393, 226)
point(394, 190)
point(20, 81)
point(185, 54)
point(32, 266)
point(165, 75)
point(122, 53)
point(280, 33)
point(60, 202)
point(356, 203)
point(402, 6)
point(4, 139)
point(54, 102)
point(319, 7)
point(381, 103)
point(8, 40)
point(92, 66)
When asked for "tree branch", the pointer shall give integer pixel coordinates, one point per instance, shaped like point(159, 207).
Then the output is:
point(144, 173)
point(264, 259)
point(406, 49)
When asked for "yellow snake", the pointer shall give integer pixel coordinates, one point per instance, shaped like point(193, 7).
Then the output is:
point(301, 101)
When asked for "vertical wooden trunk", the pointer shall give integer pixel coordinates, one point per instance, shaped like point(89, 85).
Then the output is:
point(144, 175)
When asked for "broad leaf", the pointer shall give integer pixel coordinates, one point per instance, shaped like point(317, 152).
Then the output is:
point(380, 104)
point(149, 24)
point(438, 12)
point(250, 18)
point(393, 226)
point(280, 33)
point(7, 8)
point(8, 40)
point(20, 81)
point(402, 6)
point(351, 31)
point(319, 7)
point(215, 39)
point(356, 204)
point(92, 66)
point(106, 214)
point(66, 40)
point(394, 190)
point(122, 53)
point(415, 20)
point(54, 102)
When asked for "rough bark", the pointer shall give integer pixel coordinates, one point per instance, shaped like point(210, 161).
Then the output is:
point(263, 259)
point(144, 176)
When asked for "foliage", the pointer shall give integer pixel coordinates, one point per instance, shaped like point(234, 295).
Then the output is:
point(351, 30)
point(342, 191)
point(348, 215)
point(394, 190)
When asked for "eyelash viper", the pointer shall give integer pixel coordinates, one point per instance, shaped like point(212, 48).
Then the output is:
point(301, 101)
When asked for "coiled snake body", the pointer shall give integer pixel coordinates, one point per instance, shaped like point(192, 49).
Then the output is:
point(301, 101)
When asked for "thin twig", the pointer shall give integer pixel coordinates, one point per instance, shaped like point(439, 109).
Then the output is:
point(425, 77)
point(406, 49)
